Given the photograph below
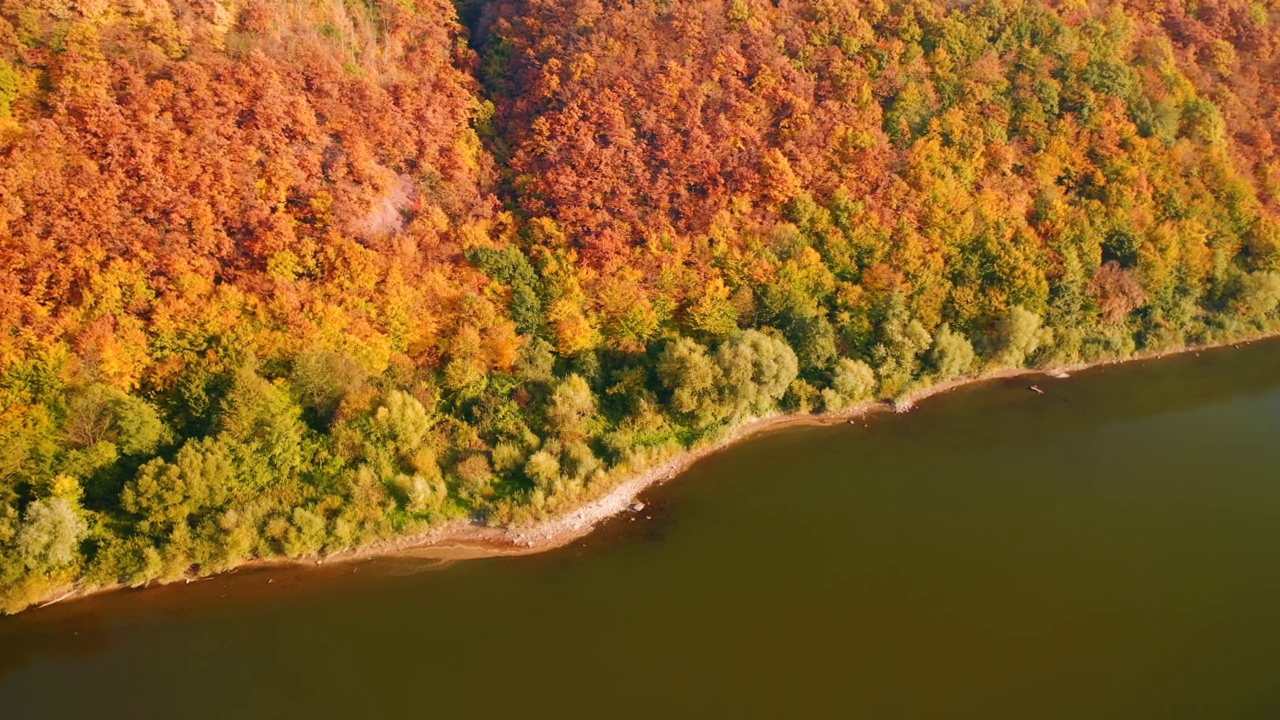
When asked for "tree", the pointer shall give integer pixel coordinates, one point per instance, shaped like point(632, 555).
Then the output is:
point(1019, 334)
point(259, 270)
point(573, 330)
point(1118, 293)
point(692, 378)
point(510, 266)
point(952, 354)
point(306, 534)
point(756, 371)
point(50, 534)
point(543, 467)
point(322, 378)
point(713, 314)
point(394, 446)
point(802, 397)
point(902, 341)
point(814, 341)
point(579, 461)
point(201, 477)
point(100, 413)
point(475, 473)
point(9, 85)
point(1259, 295)
point(572, 408)
point(264, 427)
point(853, 382)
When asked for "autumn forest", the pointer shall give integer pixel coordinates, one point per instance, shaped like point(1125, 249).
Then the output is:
point(281, 278)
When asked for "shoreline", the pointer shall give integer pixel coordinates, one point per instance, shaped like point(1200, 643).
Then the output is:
point(467, 539)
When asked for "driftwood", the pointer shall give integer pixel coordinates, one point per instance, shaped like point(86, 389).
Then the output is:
point(60, 598)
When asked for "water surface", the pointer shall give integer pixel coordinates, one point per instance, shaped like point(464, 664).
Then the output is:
point(1111, 549)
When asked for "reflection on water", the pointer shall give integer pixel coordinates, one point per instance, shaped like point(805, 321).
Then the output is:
point(1107, 549)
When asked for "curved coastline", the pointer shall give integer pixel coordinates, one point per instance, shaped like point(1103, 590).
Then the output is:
point(469, 539)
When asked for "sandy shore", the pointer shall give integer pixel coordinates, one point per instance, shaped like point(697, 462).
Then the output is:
point(465, 540)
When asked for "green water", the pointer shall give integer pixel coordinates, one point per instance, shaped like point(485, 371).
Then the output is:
point(1111, 549)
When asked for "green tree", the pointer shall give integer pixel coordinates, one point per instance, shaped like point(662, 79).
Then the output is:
point(902, 341)
point(853, 382)
point(265, 428)
point(952, 354)
point(202, 476)
point(692, 378)
point(1259, 295)
point(10, 82)
point(322, 378)
point(100, 413)
point(1019, 333)
point(756, 370)
point(543, 467)
point(802, 397)
point(395, 446)
point(579, 462)
point(306, 534)
point(50, 534)
point(572, 408)
point(509, 266)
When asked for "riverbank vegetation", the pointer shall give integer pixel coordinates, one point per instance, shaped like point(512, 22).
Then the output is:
point(290, 278)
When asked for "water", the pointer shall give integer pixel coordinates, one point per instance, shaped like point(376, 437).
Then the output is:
point(1111, 549)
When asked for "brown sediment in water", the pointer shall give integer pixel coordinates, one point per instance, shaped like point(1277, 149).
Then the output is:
point(465, 539)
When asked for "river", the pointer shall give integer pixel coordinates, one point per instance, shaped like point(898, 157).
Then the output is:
point(1108, 549)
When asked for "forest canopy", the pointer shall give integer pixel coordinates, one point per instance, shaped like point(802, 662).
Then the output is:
point(284, 279)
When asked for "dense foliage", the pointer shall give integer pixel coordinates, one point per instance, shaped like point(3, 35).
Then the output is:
point(289, 278)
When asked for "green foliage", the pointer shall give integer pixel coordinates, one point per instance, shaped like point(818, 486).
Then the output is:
point(756, 369)
point(536, 363)
point(572, 408)
point(579, 462)
point(10, 84)
point(902, 341)
point(87, 462)
point(201, 477)
point(801, 398)
point(510, 267)
point(814, 341)
point(100, 414)
point(1259, 295)
point(49, 537)
point(952, 355)
point(692, 378)
point(1018, 335)
point(263, 428)
point(852, 383)
point(543, 467)
point(322, 378)
point(1202, 122)
point(306, 533)
point(394, 447)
